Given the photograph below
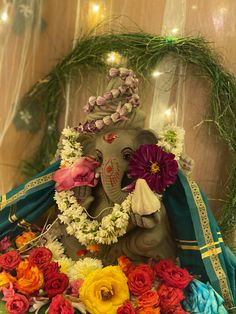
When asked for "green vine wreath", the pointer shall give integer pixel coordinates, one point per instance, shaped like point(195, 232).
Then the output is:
point(143, 52)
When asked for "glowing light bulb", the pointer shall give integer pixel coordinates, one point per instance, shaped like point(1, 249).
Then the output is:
point(156, 73)
point(95, 8)
point(4, 16)
point(168, 112)
point(113, 57)
point(174, 30)
point(194, 7)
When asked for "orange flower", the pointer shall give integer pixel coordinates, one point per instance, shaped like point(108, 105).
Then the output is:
point(93, 248)
point(25, 238)
point(5, 279)
point(30, 278)
point(150, 310)
point(125, 264)
point(148, 299)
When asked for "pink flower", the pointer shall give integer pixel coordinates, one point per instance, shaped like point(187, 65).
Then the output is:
point(74, 287)
point(114, 72)
point(8, 292)
point(108, 95)
point(100, 101)
point(92, 100)
point(99, 124)
point(4, 244)
point(17, 304)
point(60, 305)
point(80, 174)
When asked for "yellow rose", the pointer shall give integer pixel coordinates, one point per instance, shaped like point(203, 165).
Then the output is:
point(104, 290)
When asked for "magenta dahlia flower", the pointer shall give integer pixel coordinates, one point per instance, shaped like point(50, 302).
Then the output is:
point(152, 163)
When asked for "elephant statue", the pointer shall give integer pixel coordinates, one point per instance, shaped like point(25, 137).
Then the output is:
point(148, 236)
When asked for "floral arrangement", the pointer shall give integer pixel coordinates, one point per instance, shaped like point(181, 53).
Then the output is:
point(38, 280)
point(151, 167)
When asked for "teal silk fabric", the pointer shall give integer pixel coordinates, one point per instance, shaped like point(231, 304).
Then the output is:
point(25, 204)
point(200, 245)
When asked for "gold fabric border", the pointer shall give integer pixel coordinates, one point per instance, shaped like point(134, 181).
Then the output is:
point(28, 186)
point(212, 251)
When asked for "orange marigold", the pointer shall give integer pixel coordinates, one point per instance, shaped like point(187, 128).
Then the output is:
point(29, 278)
point(150, 310)
point(24, 239)
point(125, 264)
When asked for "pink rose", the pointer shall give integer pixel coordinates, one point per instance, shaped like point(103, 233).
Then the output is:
point(74, 287)
point(10, 260)
point(5, 244)
point(126, 308)
point(60, 305)
point(80, 174)
point(18, 304)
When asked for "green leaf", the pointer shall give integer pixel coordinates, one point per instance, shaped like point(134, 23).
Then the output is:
point(2, 308)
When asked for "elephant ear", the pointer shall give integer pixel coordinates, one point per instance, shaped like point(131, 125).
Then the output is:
point(146, 137)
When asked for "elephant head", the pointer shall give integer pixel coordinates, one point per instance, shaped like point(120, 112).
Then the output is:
point(113, 150)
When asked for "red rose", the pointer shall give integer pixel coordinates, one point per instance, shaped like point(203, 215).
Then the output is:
point(177, 277)
point(40, 256)
point(149, 298)
point(49, 269)
point(10, 260)
point(126, 308)
point(139, 281)
point(170, 298)
point(147, 268)
point(178, 310)
point(17, 304)
point(162, 266)
point(55, 284)
point(60, 305)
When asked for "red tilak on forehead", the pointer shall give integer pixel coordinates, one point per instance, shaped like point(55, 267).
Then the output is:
point(110, 137)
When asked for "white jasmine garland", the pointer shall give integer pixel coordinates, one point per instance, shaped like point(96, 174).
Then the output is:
point(89, 231)
point(71, 149)
point(171, 139)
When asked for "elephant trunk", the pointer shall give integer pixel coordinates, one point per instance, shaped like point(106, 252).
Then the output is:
point(111, 178)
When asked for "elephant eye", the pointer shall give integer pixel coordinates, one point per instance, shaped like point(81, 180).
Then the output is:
point(127, 153)
point(99, 156)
